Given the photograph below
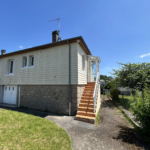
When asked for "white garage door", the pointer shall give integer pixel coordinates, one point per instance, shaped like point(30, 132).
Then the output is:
point(10, 94)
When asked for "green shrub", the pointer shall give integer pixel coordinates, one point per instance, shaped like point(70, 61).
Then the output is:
point(141, 108)
point(108, 95)
point(102, 90)
point(114, 94)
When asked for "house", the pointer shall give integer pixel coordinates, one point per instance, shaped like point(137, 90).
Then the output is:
point(110, 78)
point(102, 82)
point(57, 77)
point(125, 90)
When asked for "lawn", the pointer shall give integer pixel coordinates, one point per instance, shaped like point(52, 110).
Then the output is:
point(27, 132)
point(126, 101)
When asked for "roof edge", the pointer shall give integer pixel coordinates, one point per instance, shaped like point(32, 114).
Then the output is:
point(62, 42)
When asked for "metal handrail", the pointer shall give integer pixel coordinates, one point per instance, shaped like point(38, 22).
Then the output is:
point(95, 90)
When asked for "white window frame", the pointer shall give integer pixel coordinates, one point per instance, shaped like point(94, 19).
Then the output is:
point(30, 59)
point(23, 62)
point(83, 63)
point(9, 65)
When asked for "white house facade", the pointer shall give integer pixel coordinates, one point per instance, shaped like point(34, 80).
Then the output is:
point(49, 77)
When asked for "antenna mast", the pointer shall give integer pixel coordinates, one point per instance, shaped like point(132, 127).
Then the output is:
point(58, 19)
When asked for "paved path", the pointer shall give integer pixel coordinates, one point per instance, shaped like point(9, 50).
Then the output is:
point(113, 133)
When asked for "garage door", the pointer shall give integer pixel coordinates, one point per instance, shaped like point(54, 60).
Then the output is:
point(10, 94)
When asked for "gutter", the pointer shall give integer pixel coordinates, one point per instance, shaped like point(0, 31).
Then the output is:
point(70, 89)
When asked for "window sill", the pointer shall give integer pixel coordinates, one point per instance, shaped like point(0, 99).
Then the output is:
point(27, 67)
point(9, 74)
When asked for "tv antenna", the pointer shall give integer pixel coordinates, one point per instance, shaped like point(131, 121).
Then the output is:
point(58, 20)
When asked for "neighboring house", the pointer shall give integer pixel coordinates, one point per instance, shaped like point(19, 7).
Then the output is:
point(102, 82)
point(125, 90)
point(51, 77)
point(110, 78)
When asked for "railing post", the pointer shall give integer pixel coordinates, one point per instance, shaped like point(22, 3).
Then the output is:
point(95, 91)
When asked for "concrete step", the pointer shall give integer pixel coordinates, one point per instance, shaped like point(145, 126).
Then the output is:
point(88, 92)
point(84, 113)
point(89, 105)
point(88, 87)
point(85, 119)
point(87, 97)
point(87, 101)
point(86, 109)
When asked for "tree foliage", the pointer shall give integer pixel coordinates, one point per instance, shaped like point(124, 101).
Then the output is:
point(132, 75)
point(106, 78)
point(110, 85)
point(141, 108)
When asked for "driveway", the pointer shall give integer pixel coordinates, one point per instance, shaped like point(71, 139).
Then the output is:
point(113, 133)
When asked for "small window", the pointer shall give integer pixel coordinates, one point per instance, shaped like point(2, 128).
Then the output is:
point(11, 65)
point(31, 62)
point(83, 62)
point(5, 88)
point(24, 62)
point(9, 88)
point(13, 88)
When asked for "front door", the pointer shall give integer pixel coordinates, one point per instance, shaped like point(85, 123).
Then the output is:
point(10, 95)
point(93, 68)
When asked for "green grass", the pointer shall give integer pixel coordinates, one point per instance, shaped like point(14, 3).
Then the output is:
point(127, 118)
point(126, 102)
point(98, 120)
point(136, 128)
point(27, 132)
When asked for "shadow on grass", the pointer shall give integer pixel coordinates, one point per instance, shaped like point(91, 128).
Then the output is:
point(38, 113)
point(128, 135)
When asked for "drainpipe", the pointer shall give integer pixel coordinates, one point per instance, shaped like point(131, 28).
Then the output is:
point(69, 77)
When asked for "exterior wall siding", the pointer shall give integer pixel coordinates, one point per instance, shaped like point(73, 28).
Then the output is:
point(82, 75)
point(52, 98)
point(51, 66)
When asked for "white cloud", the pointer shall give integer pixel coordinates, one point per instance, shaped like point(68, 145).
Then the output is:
point(21, 47)
point(145, 55)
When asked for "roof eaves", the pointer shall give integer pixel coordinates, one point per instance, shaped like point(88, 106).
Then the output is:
point(46, 46)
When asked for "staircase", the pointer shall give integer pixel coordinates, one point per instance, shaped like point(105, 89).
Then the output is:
point(86, 107)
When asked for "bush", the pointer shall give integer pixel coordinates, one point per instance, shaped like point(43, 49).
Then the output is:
point(102, 90)
point(114, 94)
point(110, 85)
point(141, 108)
point(108, 95)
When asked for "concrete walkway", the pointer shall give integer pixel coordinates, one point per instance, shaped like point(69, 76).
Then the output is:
point(113, 133)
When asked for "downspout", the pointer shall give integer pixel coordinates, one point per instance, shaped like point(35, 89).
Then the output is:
point(69, 78)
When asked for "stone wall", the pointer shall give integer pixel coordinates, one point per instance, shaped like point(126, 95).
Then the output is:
point(77, 91)
point(52, 98)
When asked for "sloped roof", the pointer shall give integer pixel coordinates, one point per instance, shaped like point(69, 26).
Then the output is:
point(62, 42)
point(102, 81)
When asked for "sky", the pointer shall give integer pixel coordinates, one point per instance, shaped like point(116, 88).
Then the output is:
point(114, 30)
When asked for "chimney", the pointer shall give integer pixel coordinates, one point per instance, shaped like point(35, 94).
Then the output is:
point(55, 36)
point(3, 52)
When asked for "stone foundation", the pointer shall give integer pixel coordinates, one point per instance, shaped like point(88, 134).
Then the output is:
point(52, 98)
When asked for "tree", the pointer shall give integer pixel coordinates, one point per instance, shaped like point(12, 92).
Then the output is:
point(132, 75)
point(110, 85)
point(105, 78)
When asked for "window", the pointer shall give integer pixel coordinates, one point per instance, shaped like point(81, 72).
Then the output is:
point(11, 65)
point(31, 61)
point(24, 64)
point(83, 62)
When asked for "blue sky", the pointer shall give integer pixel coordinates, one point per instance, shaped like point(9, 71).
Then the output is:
point(114, 30)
